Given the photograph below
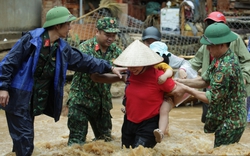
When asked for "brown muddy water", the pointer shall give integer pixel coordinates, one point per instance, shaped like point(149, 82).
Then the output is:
point(186, 137)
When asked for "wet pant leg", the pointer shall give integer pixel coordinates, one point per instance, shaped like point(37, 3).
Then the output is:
point(143, 141)
point(204, 112)
point(128, 135)
point(102, 125)
point(248, 109)
point(204, 109)
point(77, 124)
point(21, 129)
point(139, 134)
point(228, 136)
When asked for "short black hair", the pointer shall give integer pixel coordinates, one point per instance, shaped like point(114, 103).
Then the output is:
point(209, 22)
point(165, 58)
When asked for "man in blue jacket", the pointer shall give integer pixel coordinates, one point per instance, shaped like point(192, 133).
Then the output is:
point(32, 76)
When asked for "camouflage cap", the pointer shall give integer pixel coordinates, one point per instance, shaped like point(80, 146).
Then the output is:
point(107, 24)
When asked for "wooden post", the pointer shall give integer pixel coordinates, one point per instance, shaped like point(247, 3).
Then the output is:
point(182, 20)
point(209, 6)
point(223, 5)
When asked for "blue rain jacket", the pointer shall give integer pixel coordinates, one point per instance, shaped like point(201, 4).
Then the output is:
point(18, 67)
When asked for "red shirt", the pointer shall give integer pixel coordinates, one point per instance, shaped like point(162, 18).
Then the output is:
point(144, 95)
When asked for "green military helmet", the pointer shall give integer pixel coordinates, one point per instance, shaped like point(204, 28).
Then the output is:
point(58, 15)
point(218, 33)
point(108, 24)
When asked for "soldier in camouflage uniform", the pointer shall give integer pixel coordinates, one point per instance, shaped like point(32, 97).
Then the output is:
point(227, 112)
point(202, 58)
point(33, 75)
point(90, 96)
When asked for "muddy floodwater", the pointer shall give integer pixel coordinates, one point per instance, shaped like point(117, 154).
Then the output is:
point(186, 137)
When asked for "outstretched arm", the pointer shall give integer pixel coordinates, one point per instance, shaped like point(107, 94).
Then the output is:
point(194, 83)
point(118, 71)
point(82, 62)
point(107, 78)
point(196, 93)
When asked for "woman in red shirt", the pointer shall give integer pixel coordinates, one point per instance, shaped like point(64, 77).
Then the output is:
point(144, 95)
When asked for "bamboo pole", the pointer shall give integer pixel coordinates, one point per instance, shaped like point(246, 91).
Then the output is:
point(114, 8)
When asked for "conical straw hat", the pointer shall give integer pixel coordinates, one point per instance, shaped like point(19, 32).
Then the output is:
point(137, 54)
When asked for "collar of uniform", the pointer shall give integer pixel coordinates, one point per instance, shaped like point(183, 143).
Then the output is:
point(46, 40)
point(217, 63)
point(97, 47)
point(218, 60)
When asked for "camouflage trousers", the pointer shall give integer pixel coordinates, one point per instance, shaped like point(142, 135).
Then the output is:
point(227, 136)
point(78, 118)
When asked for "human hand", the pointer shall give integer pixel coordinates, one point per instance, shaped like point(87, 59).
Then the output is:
point(181, 87)
point(177, 91)
point(178, 80)
point(182, 73)
point(4, 98)
point(118, 71)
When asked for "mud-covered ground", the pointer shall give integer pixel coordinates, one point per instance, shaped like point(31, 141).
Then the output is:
point(186, 137)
